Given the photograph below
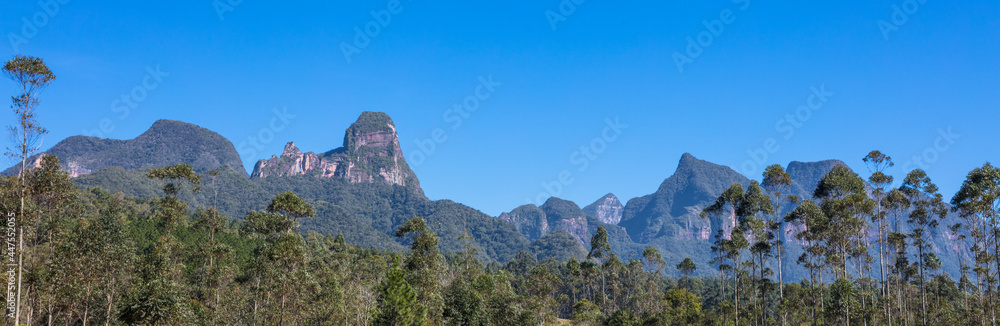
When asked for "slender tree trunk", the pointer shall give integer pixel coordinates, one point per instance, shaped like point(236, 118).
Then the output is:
point(31, 305)
point(884, 285)
point(923, 292)
point(107, 313)
point(24, 189)
point(736, 287)
point(111, 296)
point(20, 250)
point(996, 256)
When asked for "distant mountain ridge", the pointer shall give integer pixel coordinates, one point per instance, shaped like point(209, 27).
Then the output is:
point(365, 189)
point(165, 142)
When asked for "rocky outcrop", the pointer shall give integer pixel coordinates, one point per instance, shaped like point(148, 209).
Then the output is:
point(370, 153)
point(567, 216)
point(529, 220)
point(556, 214)
point(608, 209)
point(74, 169)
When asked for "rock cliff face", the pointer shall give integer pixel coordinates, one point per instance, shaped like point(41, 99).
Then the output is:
point(608, 209)
point(529, 220)
point(555, 215)
point(370, 153)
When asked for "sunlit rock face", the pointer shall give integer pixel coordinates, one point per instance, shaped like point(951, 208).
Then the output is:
point(370, 153)
point(556, 214)
point(608, 209)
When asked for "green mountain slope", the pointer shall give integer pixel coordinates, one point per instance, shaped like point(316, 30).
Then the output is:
point(166, 142)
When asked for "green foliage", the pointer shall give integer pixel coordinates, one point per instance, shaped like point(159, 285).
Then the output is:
point(290, 205)
point(398, 304)
point(686, 267)
point(558, 245)
point(587, 313)
point(682, 307)
point(175, 175)
point(367, 214)
point(622, 318)
point(599, 246)
point(424, 265)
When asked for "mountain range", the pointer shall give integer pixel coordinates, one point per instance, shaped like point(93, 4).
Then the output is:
point(364, 189)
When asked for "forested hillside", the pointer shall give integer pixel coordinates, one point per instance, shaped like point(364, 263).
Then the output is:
point(94, 256)
point(141, 232)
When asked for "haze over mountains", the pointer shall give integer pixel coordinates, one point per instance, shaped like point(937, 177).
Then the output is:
point(365, 189)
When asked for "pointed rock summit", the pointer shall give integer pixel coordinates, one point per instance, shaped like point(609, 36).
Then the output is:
point(672, 211)
point(370, 153)
point(608, 209)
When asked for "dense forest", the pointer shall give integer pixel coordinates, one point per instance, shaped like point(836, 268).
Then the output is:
point(83, 256)
point(91, 256)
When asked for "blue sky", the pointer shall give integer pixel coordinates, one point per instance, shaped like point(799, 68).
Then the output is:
point(934, 68)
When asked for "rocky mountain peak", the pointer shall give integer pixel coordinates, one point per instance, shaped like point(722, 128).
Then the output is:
point(672, 211)
point(291, 151)
point(687, 159)
point(370, 153)
point(372, 129)
point(607, 209)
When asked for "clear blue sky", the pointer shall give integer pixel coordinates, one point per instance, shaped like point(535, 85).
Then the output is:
point(607, 59)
